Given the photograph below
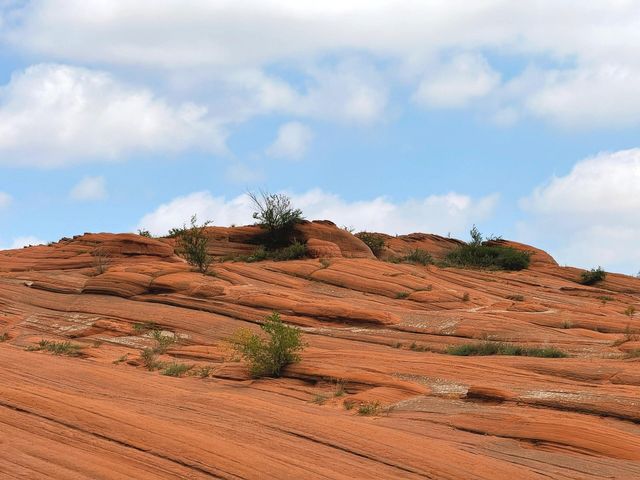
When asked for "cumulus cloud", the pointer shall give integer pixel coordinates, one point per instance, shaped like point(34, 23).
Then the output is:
point(591, 215)
point(53, 115)
point(453, 85)
point(451, 212)
point(89, 189)
point(292, 141)
point(5, 200)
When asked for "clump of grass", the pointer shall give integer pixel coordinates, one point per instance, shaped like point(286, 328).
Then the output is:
point(516, 298)
point(419, 256)
point(500, 348)
point(374, 241)
point(325, 262)
point(163, 341)
point(605, 298)
point(295, 251)
point(418, 348)
point(4, 337)
point(567, 324)
point(400, 295)
point(630, 311)
point(369, 408)
point(319, 399)
point(397, 345)
point(466, 297)
point(101, 260)
point(478, 254)
point(348, 404)
point(143, 327)
point(150, 359)
point(633, 353)
point(593, 276)
point(268, 356)
point(175, 369)
point(57, 348)
point(340, 390)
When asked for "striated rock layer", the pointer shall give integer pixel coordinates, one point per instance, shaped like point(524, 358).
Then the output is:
point(376, 332)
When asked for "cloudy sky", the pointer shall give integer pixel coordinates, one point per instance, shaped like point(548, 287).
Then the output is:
point(395, 116)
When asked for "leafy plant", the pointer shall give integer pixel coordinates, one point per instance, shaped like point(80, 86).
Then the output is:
point(57, 348)
point(175, 369)
point(369, 408)
point(593, 276)
point(478, 254)
point(268, 356)
point(274, 212)
point(401, 295)
point(163, 341)
point(418, 255)
point(630, 310)
point(150, 359)
point(101, 260)
point(192, 244)
point(144, 233)
point(374, 241)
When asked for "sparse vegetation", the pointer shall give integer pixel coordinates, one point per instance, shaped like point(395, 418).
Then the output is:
point(163, 340)
point(202, 371)
point(4, 337)
point(605, 298)
point(567, 324)
point(149, 359)
point(175, 369)
point(630, 311)
point(325, 263)
point(340, 390)
point(101, 260)
point(369, 408)
point(295, 251)
point(191, 244)
point(418, 256)
point(593, 276)
point(466, 297)
point(122, 358)
point(143, 327)
point(57, 348)
point(401, 295)
point(144, 233)
point(478, 254)
point(274, 211)
point(319, 399)
point(268, 356)
point(500, 348)
point(374, 241)
point(349, 404)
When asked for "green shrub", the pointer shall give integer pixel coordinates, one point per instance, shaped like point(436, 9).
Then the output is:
point(500, 348)
point(374, 241)
point(150, 359)
point(268, 356)
point(293, 252)
point(478, 254)
point(420, 256)
point(144, 233)
point(401, 295)
point(369, 408)
point(57, 348)
point(175, 369)
point(163, 341)
point(4, 337)
point(274, 213)
point(593, 276)
point(192, 244)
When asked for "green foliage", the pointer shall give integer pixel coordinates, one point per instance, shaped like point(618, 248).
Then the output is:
point(499, 348)
point(374, 241)
point(163, 341)
point(401, 295)
point(294, 251)
point(268, 356)
point(630, 310)
point(192, 244)
point(203, 371)
point(4, 337)
point(325, 263)
point(477, 254)
point(593, 276)
point(144, 233)
point(420, 256)
point(150, 359)
point(57, 348)
point(369, 408)
point(175, 369)
point(320, 399)
point(274, 212)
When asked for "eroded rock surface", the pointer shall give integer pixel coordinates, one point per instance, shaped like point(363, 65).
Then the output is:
point(376, 332)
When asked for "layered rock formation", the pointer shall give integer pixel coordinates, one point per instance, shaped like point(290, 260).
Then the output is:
point(377, 333)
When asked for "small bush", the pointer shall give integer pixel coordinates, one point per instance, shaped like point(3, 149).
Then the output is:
point(163, 341)
point(420, 256)
point(605, 298)
point(57, 348)
point(294, 251)
point(150, 359)
point(144, 233)
point(630, 311)
point(593, 276)
point(268, 356)
point(466, 297)
point(499, 348)
point(374, 241)
point(4, 337)
point(477, 254)
point(274, 211)
point(192, 244)
point(175, 369)
point(325, 263)
point(567, 324)
point(319, 399)
point(101, 260)
point(369, 408)
point(401, 295)
point(202, 372)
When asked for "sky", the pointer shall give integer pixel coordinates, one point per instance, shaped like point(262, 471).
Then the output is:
point(522, 118)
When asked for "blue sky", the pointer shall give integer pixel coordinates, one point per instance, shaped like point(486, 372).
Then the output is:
point(391, 116)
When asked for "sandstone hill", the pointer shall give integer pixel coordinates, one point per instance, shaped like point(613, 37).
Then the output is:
point(377, 335)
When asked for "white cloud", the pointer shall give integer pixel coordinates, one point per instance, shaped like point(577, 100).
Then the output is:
point(465, 78)
point(20, 242)
point(241, 173)
point(442, 214)
point(292, 141)
point(5, 200)
point(590, 215)
point(89, 188)
point(54, 115)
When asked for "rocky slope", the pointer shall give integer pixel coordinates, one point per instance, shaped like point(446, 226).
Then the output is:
point(376, 332)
